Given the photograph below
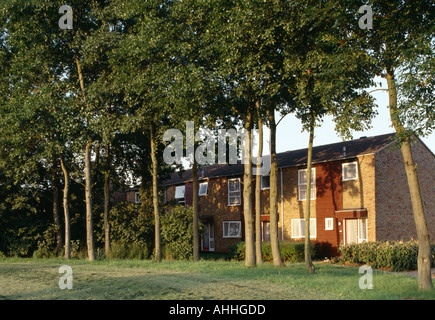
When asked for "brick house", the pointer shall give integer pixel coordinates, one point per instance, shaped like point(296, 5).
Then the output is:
point(359, 193)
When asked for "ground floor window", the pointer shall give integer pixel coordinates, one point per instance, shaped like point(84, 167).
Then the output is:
point(232, 229)
point(355, 230)
point(298, 228)
point(265, 228)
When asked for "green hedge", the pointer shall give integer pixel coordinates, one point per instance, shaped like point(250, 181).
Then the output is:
point(290, 251)
point(393, 255)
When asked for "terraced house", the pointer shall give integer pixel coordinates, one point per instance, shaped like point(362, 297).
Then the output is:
point(359, 193)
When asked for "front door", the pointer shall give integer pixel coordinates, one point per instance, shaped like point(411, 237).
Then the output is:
point(355, 230)
point(207, 241)
point(351, 231)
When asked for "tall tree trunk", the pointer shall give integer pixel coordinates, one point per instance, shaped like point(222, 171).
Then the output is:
point(66, 209)
point(107, 204)
point(195, 210)
point(424, 249)
point(88, 197)
point(308, 263)
point(247, 194)
point(56, 218)
point(258, 233)
point(274, 243)
point(158, 250)
point(88, 177)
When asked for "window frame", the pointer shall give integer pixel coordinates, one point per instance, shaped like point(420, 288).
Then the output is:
point(301, 234)
point(261, 183)
point(232, 194)
point(238, 222)
point(327, 222)
point(137, 197)
point(206, 189)
point(179, 199)
point(348, 164)
point(313, 185)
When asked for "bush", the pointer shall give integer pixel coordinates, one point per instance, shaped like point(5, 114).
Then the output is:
point(47, 246)
point(177, 233)
point(394, 255)
point(128, 251)
point(290, 251)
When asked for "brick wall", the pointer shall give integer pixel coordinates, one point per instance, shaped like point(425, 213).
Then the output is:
point(395, 220)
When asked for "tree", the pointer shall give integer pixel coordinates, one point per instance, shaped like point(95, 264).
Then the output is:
point(402, 41)
point(326, 76)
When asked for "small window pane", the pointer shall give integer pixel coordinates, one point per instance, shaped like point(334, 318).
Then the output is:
point(179, 192)
point(203, 189)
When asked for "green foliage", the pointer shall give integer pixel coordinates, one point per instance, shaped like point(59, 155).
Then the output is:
point(129, 251)
point(177, 233)
point(394, 255)
point(47, 246)
point(131, 228)
point(290, 251)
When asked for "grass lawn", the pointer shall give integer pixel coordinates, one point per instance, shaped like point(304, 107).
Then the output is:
point(24, 279)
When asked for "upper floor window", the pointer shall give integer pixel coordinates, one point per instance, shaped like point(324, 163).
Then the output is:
point(265, 182)
point(234, 192)
point(203, 189)
point(179, 194)
point(302, 184)
point(350, 171)
point(137, 197)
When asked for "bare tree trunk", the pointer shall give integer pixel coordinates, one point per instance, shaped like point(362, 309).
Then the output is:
point(66, 209)
point(195, 210)
point(88, 177)
point(107, 204)
point(274, 243)
point(88, 197)
point(424, 250)
point(158, 250)
point(56, 218)
point(258, 233)
point(247, 194)
point(308, 263)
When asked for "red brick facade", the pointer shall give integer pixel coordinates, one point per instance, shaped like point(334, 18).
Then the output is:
point(372, 206)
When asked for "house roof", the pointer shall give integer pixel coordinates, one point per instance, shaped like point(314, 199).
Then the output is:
point(324, 153)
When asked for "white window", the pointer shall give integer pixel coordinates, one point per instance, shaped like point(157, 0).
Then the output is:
point(203, 189)
point(232, 229)
point(179, 194)
point(137, 197)
point(350, 171)
point(302, 184)
point(362, 230)
point(355, 230)
point(298, 228)
point(234, 193)
point(265, 182)
point(266, 231)
point(329, 223)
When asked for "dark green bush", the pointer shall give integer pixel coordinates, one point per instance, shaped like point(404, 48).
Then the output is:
point(177, 233)
point(393, 255)
point(290, 251)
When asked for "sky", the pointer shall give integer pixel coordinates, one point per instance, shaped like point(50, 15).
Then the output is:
point(290, 137)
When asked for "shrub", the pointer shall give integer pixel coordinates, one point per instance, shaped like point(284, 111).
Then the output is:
point(290, 251)
point(128, 251)
point(394, 255)
point(177, 233)
point(47, 246)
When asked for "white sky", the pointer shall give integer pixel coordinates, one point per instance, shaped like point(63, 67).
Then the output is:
point(290, 137)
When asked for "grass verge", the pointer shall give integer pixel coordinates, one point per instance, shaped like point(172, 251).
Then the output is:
point(207, 279)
